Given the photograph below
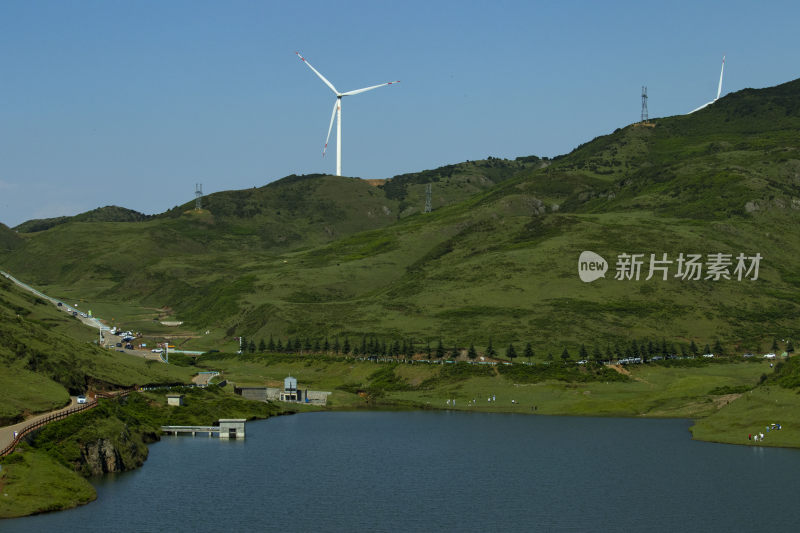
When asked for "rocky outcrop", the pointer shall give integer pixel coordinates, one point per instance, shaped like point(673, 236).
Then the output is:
point(101, 457)
point(106, 455)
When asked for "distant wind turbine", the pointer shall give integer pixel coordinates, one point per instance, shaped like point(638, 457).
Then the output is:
point(719, 89)
point(337, 112)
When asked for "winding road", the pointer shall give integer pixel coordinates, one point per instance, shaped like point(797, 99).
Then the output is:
point(88, 320)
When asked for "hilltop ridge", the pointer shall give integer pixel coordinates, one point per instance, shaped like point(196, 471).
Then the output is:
point(109, 213)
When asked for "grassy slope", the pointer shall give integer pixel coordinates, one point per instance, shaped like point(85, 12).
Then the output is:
point(33, 482)
point(44, 354)
point(500, 263)
point(8, 239)
point(453, 184)
point(774, 401)
point(751, 413)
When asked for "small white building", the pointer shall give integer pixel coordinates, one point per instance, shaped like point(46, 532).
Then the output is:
point(290, 392)
point(231, 428)
point(175, 399)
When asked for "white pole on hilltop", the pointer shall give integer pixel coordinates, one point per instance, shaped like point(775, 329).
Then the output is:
point(339, 136)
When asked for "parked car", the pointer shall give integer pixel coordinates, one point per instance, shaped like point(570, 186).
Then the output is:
point(156, 350)
point(81, 399)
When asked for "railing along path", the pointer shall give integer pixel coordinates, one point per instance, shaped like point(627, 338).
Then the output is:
point(33, 426)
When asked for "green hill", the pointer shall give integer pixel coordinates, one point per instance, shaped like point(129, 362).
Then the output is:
point(315, 256)
point(110, 213)
point(45, 355)
point(293, 212)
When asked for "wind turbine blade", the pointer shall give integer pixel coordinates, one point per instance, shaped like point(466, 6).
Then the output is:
point(329, 84)
point(701, 107)
point(721, 72)
point(333, 116)
point(365, 89)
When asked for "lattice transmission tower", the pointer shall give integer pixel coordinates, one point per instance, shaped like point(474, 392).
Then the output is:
point(644, 103)
point(198, 195)
point(428, 198)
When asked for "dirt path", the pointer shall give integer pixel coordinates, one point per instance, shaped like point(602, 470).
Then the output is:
point(620, 369)
point(625, 372)
point(202, 379)
point(725, 399)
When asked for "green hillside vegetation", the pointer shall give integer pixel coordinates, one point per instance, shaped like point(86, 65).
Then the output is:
point(45, 355)
point(33, 482)
point(9, 240)
point(321, 256)
point(110, 213)
point(452, 184)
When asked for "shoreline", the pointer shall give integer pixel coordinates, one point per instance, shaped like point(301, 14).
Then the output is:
point(693, 421)
point(397, 408)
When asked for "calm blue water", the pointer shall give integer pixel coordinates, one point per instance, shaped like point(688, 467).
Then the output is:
point(441, 471)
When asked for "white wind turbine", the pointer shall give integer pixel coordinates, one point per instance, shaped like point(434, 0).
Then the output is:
point(337, 112)
point(719, 89)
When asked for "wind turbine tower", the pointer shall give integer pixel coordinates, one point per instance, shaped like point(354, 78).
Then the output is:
point(336, 114)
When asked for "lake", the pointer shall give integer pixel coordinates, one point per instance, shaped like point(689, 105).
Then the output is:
point(444, 471)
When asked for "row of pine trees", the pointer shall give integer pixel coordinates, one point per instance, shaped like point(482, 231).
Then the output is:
point(407, 348)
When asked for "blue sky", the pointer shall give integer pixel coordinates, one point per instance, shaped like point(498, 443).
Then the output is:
point(132, 103)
